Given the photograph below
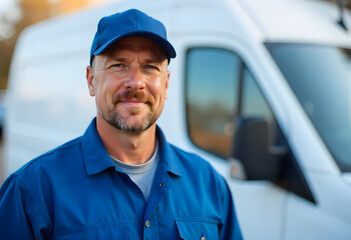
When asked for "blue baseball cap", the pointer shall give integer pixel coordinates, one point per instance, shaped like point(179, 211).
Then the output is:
point(129, 23)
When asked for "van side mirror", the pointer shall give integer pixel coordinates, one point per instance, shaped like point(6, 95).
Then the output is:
point(253, 151)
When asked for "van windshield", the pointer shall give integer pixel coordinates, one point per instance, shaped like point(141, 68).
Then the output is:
point(320, 76)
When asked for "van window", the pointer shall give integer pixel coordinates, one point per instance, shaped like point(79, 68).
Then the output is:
point(214, 100)
point(253, 103)
point(320, 77)
point(211, 97)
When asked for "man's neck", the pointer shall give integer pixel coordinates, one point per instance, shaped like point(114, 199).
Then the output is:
point(130, 148)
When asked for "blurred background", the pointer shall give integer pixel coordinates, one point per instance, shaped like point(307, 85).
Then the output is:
point(289, 209)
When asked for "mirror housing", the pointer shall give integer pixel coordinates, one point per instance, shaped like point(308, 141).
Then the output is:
point(251, 147)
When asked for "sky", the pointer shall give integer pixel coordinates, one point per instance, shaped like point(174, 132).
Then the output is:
point(9, 14)
point(6, 4)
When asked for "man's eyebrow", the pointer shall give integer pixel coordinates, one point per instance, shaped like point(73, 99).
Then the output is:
point(155, 59)
point(115, 59)
point(150, 59)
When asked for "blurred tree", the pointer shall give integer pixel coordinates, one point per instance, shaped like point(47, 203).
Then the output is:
point(31, 11)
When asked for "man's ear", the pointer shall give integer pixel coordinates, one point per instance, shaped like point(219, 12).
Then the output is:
point(91, 80)
point(167, 84)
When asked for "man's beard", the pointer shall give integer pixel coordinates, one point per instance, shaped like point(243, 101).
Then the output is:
point(117, 120)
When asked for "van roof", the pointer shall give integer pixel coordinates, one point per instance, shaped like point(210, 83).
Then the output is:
point(298, 20)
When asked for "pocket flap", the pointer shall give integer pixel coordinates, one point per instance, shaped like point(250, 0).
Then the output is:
point(197, 230)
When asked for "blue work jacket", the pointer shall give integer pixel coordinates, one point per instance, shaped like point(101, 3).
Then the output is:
point(77, 192)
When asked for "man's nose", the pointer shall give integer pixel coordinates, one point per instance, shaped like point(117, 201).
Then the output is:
point(136, 79)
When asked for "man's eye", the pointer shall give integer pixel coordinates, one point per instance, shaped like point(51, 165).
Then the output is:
point(151, 67)
point(117, 65)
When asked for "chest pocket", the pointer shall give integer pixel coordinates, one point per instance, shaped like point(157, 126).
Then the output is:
point(117, 232)
point(198, 230)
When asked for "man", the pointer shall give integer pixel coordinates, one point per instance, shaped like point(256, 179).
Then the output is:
point(121, 179)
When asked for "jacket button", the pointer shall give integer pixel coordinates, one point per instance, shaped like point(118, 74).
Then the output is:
point(147, 224)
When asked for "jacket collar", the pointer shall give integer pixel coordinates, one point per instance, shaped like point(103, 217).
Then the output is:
point(97, 159)
point(95, 155)
point(167, 154)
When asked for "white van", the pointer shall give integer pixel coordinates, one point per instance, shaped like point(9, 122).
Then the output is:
point(262, 89)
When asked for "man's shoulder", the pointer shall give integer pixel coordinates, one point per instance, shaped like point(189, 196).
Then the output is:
point(191, 161)
point(43, 173)
point(67, 146)
point(184, 154)
point(196, 170)
point(52, 159)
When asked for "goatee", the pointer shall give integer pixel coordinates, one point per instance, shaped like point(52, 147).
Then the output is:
point(120, 122)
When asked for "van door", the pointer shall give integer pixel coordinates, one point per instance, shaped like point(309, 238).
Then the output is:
point(218, 87)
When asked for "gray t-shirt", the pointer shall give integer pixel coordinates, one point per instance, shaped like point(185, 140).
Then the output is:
point(142, 175)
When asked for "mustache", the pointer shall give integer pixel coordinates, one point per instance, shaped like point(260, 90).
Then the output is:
point(131, 95)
